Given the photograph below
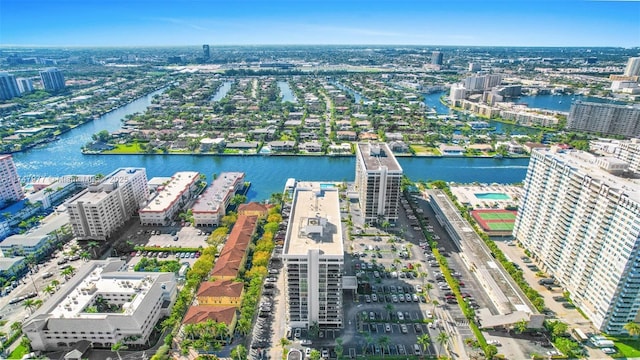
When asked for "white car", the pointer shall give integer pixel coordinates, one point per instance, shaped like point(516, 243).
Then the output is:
point(325, 353)
point(307, 352)
point(305, 342)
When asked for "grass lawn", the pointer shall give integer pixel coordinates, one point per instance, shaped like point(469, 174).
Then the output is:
point(125, 149)
point(497, 216)
point(424, 150)
point(18, 352)
point(627, 348)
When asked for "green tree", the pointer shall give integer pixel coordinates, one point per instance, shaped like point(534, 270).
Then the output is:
point(521, 325)
point(93, 245)
point(238, 199)
point(383, 341)
point(239, 352)
point(29, 304)
point(314, 330)
point(490, 351)
point(424, 340)
point(339, 349)
point(633, 328)
point(314, 355)
point(117, 347)
point(442, 339)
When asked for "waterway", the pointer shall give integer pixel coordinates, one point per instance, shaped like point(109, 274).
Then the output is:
point(222, 91)
point(559, 102)
point(287, 94)
point(267, 174)
point(356, 95)
point(433, 101)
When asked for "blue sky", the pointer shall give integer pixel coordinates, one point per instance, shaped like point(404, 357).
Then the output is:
point(257, 22)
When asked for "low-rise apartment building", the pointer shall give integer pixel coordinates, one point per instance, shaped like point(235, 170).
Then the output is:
point(170, 199)
point(212, 204)
point(103, 304)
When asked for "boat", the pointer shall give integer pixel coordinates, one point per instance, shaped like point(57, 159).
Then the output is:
point(498, 156)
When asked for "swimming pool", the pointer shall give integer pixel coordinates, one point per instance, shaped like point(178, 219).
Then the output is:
point(327, 186)
point(492, 196)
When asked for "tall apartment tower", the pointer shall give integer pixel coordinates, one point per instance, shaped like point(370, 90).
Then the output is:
point(8, 86)
point(629, 152)
point(100, 210)
point(314, 257)
point(24, 85)
point(206, 54)
point(437, 58)
point(378, 177)
point(607, 119)
point(581, 220)
point(52, 79)
point(633, 67)
point(10, 189)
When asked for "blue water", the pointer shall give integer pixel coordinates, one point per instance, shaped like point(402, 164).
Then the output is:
point(267, 174)
point(433, 101)
point(492, 196)
point(222, 91)
point(285, 91)
point(356, 95)
point(558, 102)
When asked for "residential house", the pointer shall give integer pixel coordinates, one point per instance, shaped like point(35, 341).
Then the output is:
point(221, 293)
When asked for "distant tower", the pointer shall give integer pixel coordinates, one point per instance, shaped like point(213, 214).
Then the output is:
point(25, 85)
point(10, 189)
point(8, 87)
point(473, 67)
point(52, 79)
point(633, 67)
point(205, 52)
point(436, 58)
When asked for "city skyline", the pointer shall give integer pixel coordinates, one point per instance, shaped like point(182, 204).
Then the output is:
point(285, 22)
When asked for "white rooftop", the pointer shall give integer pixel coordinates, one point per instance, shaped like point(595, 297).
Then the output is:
point(98, 191)
point(172, 191)
point(315, 220)
point(590, 165)
point(214, 196)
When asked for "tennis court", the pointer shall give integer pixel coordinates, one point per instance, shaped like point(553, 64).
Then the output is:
point(499, 221)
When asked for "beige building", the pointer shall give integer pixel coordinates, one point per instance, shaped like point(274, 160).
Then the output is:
point(378, 176)
point(97, 212)
point(170, 199)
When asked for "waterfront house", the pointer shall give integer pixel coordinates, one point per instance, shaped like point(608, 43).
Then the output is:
point(254, 209)
point(347, 135)
point(311, 146)
point(282, 145)
point(451, 150)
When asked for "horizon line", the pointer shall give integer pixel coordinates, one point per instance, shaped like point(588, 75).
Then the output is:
point(301, 44)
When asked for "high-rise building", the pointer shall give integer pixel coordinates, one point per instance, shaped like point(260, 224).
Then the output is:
point(629, 152)
point(473, 67)
point(8, 86)
point(633, 67)
point(52, 79)
point(79, 312)
point(437, 58)
point(457, 93)
point(24, 85)
point(206, 52)
point(607, 119)
point(314, 257)
point(480, 83)
point(10, 189)
point(580, 219)
point(378, 177)
point(100, 210)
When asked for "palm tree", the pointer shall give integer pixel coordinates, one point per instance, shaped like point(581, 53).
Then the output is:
point(55, 284)
point(85, 256)
point(442, 339)
point(117, 347)
point(383, 341)
point(243, 327)
point(92, 245)
point(68, 272)
point(389, 307)
point(284, 342)
point(49, 289)
point(632, 328)
point(239, 352)
point(29, 304)
point(424, 340)
point(521, 325)
point(16, 327)
point(368, 340)
point(339, 349)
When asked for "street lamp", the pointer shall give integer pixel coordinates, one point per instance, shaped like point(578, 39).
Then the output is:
point(31, 277)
